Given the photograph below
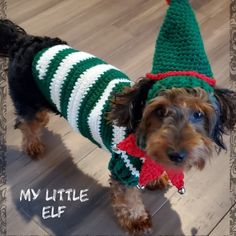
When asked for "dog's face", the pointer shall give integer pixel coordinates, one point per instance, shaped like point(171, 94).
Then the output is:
point(180, 127)
point(176, 128)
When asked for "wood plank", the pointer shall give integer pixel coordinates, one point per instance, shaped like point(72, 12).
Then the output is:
point(65, 175)
point(55, 153)
point(19, 223)
point(28, 10)
point(222, 228)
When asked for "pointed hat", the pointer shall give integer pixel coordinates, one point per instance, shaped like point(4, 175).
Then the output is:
point(180, 60)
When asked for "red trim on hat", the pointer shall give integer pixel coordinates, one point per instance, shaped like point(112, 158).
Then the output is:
point(160, 76)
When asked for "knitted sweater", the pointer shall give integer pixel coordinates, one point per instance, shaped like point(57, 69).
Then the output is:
point(81, 86)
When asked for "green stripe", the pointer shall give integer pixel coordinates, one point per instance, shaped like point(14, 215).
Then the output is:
point(40, 83)
point(44, 84)
point(91, 98)
point(122, 173)
point(106, 126)
point(71, 79)
point(35, 62)
point(53, 67)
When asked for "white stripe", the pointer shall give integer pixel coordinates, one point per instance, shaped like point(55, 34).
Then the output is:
point(95, 117)
point(47, 56)
point(81, 88)
point(118, 134)
point(126, 160)
point(62, 72)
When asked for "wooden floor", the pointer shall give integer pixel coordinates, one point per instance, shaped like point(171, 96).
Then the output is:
point(122, 32)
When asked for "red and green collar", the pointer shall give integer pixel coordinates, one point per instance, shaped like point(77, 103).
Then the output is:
point(150, 170)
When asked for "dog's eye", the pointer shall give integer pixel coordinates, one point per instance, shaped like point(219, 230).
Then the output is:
point(197, 116)
point(161, 112)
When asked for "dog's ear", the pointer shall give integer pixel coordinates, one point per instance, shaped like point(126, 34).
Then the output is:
point(226, 100)
point(127, 106)
point(227, 103)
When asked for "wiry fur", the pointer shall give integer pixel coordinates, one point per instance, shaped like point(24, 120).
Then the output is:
point(227, 114)
point(129, 209)
point(127, 106)
point(21, 49)
point(166, 123)
point(31, 132)
point(223, 102)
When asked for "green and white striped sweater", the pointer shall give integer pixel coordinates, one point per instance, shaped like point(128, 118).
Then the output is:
point(81, 86)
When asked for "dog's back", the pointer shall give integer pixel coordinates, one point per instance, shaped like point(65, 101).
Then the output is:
point(81, 86)
point(14, 39)
point(21, 48)
point(46, 74)
point(10, 34)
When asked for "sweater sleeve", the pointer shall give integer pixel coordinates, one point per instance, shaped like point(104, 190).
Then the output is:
point(125, 168)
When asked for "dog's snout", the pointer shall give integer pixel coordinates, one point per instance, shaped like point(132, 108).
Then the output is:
point(177, 157)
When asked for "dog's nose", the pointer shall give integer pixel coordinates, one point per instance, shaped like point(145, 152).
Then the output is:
point(177, 157)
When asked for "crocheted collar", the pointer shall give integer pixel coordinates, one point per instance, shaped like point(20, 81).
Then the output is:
point(151, 170)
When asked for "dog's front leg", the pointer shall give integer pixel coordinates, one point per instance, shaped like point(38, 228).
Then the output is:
point(129, 208)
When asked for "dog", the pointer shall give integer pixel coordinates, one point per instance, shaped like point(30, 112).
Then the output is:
point(178, 128)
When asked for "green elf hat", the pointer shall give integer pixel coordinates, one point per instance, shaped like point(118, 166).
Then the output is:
point(180, 60)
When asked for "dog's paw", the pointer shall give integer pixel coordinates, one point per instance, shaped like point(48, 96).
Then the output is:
point(34, 149)
point(139, 226)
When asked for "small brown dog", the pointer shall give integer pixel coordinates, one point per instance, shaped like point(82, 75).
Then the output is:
point(178, 125)
point(179, 128)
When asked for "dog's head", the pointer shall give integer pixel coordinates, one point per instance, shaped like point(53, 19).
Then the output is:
point(179, 127)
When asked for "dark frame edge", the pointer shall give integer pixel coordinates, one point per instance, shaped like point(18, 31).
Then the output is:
point(233, 133)
point(3, 129)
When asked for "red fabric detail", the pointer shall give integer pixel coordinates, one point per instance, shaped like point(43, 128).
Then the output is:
point(168, 1)
point(160, 76)
point(150, 169)
point(129, 145)
point(176, 177)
